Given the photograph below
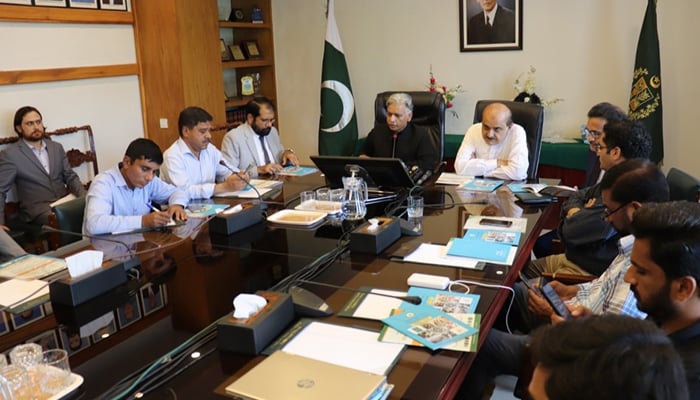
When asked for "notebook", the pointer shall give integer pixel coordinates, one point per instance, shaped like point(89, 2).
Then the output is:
point(285, 376)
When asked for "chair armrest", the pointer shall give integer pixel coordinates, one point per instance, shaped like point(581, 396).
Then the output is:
point(568, 279)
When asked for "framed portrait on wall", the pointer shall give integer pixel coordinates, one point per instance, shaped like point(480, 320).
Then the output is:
point(82, 3)
point(113, 5)
point(50, 3)
point(490, 25)
point(21, 2)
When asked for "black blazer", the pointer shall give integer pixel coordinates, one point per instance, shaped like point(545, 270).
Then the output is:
point(502, 31)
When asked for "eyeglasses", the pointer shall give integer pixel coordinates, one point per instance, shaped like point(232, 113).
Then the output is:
point(267, 121)
point(593, 134)
point(600, 147)
point(607, 213)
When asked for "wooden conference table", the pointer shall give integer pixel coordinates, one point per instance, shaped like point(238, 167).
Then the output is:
point(212, 269)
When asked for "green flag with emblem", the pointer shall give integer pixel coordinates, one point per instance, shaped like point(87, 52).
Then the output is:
point(337, 133)
point(645, 97)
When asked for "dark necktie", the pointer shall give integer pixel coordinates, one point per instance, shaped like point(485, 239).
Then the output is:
point(488, 23)
point(262, 143)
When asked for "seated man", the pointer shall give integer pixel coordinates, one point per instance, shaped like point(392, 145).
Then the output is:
point(599, 115)
point(606, 357)
point(591, 242)
point(495, 147)
point(624, 188)
point(39, 170)
point(255, 147)
point(120, 198)
point(193, 164)
point(400, 138)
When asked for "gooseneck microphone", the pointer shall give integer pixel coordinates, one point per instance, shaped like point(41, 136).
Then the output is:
point(409, 299)
point(393, 148)
point(260, 199)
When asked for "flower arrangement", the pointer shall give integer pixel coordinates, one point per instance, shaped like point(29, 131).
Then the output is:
point(447, 93)
point(526, 90)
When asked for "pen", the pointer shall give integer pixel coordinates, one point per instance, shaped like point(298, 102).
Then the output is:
point(149, 205)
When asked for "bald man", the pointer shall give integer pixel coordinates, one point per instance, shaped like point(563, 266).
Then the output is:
point(495, 147)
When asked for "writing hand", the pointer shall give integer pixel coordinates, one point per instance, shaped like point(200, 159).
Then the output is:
point(158, 218)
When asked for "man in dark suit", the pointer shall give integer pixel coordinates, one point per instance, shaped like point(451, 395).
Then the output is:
point(39, 170)
point(496, 24)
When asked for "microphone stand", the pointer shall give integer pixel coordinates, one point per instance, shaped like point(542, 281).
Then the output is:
point(260, 199)
point(46, 228)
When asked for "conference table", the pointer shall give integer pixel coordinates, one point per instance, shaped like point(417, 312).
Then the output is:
point(208, 270)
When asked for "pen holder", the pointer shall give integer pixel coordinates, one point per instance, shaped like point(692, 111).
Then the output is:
point(227, 224)
point(251, 335)
point(373, 239)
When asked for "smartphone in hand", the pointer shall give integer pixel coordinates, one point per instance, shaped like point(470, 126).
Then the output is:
point(556, 302)
point(534, 284)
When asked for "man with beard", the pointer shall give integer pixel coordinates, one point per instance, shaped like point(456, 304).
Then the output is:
point(39, 170)
point(255, 147)
point(665, 274)
point(192, 163)
point(624, 188)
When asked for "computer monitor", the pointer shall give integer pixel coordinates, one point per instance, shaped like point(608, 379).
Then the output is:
point(381, 172)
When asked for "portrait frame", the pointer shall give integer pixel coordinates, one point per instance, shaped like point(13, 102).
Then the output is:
point(65, 340)
point(151, 298)
point(119, 5)
point(225, 54)
point(50, 338)
point(109, 329)
point(122, 316)
point(82, 4)
point(237, 52)
point(50, 3)
point(18, 2)
point(4, 323)
point(19, 320)
point(251, 49)
point(506, 34)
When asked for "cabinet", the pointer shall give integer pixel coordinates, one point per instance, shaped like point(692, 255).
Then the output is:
point(263, 66)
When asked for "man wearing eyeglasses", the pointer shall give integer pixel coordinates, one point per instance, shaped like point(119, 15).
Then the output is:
point(255, 147)
point(590, 242)
point(599, 115)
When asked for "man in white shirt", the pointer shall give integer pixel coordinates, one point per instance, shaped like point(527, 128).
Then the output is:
point(255, 147)
point(192, 163)
point(495, 147)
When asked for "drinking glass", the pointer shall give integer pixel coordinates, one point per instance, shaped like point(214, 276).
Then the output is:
point(54, 371)
point(26, 355)
point(323, 194)
point(337, 194)
point(17, 381)
point(415, 207)
point(307, 198)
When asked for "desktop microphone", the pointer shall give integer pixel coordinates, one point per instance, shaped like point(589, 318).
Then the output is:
point(409, 299)
point(260, 199)
point(46, 228)
point(393, 148)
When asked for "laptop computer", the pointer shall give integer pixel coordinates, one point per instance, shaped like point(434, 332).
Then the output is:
point(380, 172)
point(286, 376)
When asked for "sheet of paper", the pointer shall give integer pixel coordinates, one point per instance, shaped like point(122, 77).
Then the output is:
point(346, 346)
point(31, 266)
point(450, 178)
point(68, 197)
point(262, 185)
point(435, 254)
point(519, 224)
point(372, 306)
point(14, 291)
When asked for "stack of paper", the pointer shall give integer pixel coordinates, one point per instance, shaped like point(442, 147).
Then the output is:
point(262, 185)
point(483, 185)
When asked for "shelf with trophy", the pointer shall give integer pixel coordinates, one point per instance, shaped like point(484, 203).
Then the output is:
point(247, 53)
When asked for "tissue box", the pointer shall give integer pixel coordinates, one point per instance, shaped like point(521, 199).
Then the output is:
point(229, 223)
point(364, 240)
point(84, 313)
point(74, 291)
point(251, 335)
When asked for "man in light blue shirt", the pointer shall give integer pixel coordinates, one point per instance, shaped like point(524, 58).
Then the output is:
point(192, 163)
point(120, 198)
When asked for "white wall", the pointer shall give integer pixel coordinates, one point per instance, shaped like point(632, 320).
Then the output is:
point(112, 106)
point(583, 51)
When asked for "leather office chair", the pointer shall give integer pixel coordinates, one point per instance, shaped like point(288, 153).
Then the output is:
point(531, 118)
point(428, 111)
point(67, 216)
point(683, 186)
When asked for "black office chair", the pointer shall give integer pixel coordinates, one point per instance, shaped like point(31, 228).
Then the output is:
point(531, 118)
point(428, 111)
point(67, 216)
point(683, 186)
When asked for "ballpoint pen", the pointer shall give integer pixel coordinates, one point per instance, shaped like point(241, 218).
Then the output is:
point(153, 208)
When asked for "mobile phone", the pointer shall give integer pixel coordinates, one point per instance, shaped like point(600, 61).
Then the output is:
point(555, 301)
point(534, 284)
point(495, 222)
